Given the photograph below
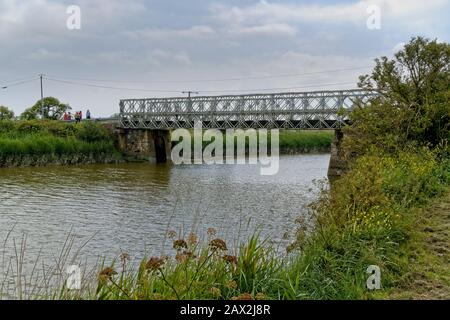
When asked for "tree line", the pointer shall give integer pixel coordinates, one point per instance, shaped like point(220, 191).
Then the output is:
point(48, 108)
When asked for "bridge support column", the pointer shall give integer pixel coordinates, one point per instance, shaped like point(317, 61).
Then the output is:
point(338, 165)
point(145, 145)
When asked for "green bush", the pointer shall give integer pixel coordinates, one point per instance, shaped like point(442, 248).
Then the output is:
point(90, 132)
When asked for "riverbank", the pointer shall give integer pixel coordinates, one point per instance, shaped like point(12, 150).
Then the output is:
point(291, 142)
point(39, 143)
point(305, 141)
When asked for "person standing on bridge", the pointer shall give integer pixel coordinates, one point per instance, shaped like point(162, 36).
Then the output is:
point(88, 115)
point(77, 117)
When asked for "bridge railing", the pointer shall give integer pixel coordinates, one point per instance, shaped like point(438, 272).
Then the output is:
point(298, 110)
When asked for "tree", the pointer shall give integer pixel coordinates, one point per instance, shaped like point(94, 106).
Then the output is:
point(5, 113)
point(414, 101)
point(49, 108)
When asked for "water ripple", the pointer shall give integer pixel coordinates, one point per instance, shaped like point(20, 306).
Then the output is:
point(129, 207)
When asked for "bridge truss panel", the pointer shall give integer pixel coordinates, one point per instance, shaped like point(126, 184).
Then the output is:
point(301, 110)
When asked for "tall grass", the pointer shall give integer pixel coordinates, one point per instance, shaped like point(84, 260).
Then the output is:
point(290, 141)
point(306, 140)
point(47, 144)
point(36, 137)
point(198, 271)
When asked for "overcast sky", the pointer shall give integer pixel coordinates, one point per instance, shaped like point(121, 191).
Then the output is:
point(165, 47)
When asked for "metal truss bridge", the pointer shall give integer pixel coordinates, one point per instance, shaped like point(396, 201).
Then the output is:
point(293, 110)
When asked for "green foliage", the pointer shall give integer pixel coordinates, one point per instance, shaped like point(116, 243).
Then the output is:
point(90, 132)
point(306, 140)
point(399, 160)
point(296, 140)
point(49, 108)
point(5, 113)
point(414, 106)
point(364, 220)
point(46, 137)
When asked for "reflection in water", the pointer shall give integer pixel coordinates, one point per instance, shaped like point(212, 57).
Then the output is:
point(130, 207)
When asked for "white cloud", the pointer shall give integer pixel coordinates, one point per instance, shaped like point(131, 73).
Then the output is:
point(154, 57)
point(200, 31)
point(30, 18)
point(265, 11)
point(399, 46)
point(43, 19)
point(133, 40)
point(161, 57)
point(266, 30)
point(43, 54)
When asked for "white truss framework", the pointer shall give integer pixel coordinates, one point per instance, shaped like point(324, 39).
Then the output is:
point(299, 110)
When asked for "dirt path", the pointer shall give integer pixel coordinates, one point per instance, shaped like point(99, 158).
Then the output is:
point(430, 255)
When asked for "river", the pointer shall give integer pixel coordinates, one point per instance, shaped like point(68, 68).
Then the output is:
point(130, 207)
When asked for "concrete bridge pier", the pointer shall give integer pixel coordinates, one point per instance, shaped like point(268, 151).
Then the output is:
point(145, 144)
point(338, 164)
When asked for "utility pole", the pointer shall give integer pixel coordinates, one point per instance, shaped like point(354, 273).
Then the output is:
point(190, 92)
point(189, 103)
point(42, 95)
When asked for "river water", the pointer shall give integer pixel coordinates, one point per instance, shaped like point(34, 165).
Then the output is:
point(130, 207)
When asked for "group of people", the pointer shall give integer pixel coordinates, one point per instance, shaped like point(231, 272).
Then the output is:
point(77, 117)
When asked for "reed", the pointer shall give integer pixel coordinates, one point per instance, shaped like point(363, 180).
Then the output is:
point(53, 138)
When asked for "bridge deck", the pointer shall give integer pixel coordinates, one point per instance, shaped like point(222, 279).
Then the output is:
point(298, 110)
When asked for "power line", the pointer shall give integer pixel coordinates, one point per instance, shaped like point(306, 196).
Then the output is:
point(203, 91)
point(189, 93)
point(219, 80)
point(18, 79)
point(280, 88)
point(108, 87)
point(5, 86)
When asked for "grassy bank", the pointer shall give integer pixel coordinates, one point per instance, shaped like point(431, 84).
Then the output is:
point(290, 141)
point(368, 218)
point(52, 139)
point(306, 140)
